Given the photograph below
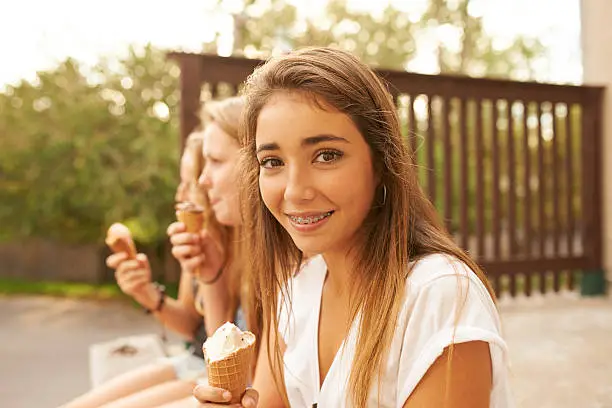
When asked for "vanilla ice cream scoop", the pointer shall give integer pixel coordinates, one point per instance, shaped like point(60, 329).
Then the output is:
point(119, 239)
point(226, 340)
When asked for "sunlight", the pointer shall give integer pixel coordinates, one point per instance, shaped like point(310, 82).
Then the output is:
point(65, 28)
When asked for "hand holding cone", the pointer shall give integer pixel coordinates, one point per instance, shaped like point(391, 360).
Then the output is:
point(229, 354)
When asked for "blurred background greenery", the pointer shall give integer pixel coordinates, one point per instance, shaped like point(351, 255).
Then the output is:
point(83, 147)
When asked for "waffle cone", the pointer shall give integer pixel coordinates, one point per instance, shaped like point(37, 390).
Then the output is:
point(233, 372)
point(119, 239)
point(191, 215)
point(119, 244)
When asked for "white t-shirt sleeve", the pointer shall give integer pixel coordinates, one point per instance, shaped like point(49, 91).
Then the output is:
point(447, 304)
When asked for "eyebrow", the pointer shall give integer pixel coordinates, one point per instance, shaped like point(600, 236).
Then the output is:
point(309, 141)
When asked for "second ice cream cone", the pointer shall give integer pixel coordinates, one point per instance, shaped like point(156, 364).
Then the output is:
point(191, 215)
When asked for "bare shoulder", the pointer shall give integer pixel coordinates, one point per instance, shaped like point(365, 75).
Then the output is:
point(464, 370)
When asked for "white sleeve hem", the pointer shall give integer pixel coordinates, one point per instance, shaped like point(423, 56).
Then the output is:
point(435, 348)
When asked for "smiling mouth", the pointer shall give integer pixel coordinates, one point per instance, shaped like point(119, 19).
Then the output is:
point(311, 219)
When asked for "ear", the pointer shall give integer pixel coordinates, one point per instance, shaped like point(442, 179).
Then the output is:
point(378, 175)
point(378, 168)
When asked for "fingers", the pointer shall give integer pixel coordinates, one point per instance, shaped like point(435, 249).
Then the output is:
point(206, 393)
point(125, 268)
point(184, 238)
point(135, 277)
point(132, 274)
point(188, 250)
point(120, 261)
point(211, 396)
point(176, 228)
point(134, 281)
point(194, 263)
point(128, 275)
point(184, 252)
point(250, 398)
point(144, 261)
point(114, 260)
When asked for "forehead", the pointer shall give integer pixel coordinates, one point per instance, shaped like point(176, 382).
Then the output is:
point(216, 139)
point(187, 164)
point(299, 115)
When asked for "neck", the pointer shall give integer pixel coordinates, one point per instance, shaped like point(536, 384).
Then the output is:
point(340, 266)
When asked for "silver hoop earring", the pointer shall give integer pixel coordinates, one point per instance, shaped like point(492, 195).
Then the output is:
point(384, 194)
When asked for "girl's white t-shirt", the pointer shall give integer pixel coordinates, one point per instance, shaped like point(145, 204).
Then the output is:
point(428, 322)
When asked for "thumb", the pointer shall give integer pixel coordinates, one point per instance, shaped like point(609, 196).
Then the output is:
point(206, 237)
point(250, 398)
point(143, 260)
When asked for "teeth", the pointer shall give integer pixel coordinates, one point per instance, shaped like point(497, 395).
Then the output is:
point(309, 220)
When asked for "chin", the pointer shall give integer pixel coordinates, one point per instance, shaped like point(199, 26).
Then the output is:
point(221, 217)
point(310, 246)
point(228, 222)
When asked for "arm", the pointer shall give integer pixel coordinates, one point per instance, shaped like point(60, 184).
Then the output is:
point(134, 279)
point(464, 381)
point(180, 314)
point(217, 302)
point(264, 380)
point(203, 256)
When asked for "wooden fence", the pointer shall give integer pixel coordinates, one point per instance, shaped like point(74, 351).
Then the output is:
point(514, 167)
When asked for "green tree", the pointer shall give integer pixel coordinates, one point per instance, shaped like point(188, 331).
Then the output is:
point(82, 151)
point(476, 54)
point(385, 39)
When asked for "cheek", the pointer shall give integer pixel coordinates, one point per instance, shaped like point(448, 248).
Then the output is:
point(223, 179)
point(354, 190)
point(271, 193)
point(353, 182)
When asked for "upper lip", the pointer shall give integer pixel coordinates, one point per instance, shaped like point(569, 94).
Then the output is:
point(306, 213)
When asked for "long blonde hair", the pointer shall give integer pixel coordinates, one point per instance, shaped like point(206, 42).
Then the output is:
point(193, 151)
point(401, 227)
point(227, 113)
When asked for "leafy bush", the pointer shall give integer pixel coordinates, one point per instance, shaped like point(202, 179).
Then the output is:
point(82, 149)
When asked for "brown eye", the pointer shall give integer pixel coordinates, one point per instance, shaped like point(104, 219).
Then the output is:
point(271, 163)
point(328, 156)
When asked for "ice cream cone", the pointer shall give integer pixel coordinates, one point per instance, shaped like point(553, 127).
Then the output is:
point(119, 239)
point(191, 215)
point(232, 373)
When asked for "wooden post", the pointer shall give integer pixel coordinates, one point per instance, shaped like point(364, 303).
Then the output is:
point(597, 62)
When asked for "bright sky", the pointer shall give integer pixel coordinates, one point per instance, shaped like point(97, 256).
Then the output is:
point(36, 34)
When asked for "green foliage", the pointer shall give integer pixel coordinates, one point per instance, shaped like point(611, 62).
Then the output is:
point(82, 149)
point(78, 156)
point(387, 38)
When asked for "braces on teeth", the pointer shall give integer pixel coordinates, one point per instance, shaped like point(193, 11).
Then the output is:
point(310, 220)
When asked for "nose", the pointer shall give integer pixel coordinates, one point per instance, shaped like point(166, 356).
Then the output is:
point(299, 186)
point(204, 180)
point(181, 192)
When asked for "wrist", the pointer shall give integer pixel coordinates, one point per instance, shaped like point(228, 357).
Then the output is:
point(160, 298)
point(149, 297)
point(212, 280)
